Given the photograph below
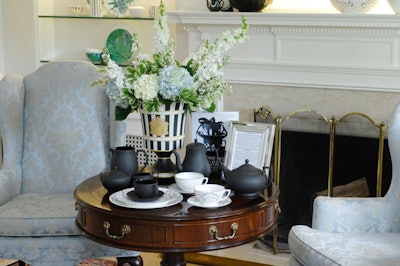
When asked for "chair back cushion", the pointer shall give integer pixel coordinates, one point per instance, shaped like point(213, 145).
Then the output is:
point(66, 127)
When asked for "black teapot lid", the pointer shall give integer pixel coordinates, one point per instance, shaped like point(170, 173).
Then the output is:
point(247, 169)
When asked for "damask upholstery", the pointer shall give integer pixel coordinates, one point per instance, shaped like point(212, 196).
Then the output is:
point(55, 129)
point(354, 231)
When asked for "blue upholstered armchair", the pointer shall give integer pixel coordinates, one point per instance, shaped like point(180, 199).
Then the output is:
point(55, 130)
point(354, 231)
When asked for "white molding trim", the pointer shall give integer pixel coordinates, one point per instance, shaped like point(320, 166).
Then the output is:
point(331, 51)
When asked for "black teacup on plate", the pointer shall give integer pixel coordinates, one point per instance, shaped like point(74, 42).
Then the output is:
point(145, 190)
point(133, 196)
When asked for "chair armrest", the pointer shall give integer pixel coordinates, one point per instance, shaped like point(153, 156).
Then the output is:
point(355, 215)
point(11, 133)
point(10, 184)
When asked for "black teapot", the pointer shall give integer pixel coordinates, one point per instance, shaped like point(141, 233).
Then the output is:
point(246, 180)
point(195, 159)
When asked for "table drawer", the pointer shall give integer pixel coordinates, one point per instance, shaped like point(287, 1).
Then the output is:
point(123, 231)
point(219, 230)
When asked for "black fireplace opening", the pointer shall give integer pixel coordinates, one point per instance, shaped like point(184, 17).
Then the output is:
point(304, 172)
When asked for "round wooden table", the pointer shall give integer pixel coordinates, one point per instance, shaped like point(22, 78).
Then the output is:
point(176, 229)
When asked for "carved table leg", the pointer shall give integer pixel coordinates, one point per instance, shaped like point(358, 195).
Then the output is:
point(130, 261)
point(173, 259)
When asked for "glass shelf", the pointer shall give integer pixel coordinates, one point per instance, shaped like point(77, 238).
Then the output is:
point(89, 17)
point(97, 64)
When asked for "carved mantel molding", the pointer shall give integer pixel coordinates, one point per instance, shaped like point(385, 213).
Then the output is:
point(338, 51)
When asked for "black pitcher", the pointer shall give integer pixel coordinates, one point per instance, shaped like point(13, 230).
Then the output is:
point(124, 158)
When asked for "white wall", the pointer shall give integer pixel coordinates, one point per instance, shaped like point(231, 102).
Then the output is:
point(19, 36)
point(1, 40)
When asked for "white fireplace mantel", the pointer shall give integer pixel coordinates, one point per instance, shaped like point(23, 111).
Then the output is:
point(338, 51)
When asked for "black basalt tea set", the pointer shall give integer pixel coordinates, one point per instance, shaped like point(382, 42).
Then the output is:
point(124, 174)
point(246, 180)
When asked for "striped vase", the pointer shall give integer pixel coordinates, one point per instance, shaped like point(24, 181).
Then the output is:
point(163, 132)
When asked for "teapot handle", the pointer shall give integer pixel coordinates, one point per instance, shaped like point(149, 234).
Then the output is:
point(270, 177)
point(146, 158)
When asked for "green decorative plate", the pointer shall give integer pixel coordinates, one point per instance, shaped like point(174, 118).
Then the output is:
point(119, 44)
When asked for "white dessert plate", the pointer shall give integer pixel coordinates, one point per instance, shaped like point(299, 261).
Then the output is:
point(195, 202)
point(169, 198)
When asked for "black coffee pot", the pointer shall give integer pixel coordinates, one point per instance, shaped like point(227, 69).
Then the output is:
point(124, 158)
point(195, 159)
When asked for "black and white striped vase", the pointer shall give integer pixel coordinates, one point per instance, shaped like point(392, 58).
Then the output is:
point(163, 132)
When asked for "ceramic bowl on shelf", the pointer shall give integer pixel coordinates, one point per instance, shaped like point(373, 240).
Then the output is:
point(94, 55)
point(250, 5)
point(136, 11)
point(354, 6)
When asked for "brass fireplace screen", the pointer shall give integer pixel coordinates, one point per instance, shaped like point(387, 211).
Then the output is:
point(331, 126)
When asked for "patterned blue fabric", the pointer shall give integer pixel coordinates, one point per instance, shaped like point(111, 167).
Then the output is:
point(51, 215)
point(56, 250)
point(55, 130)
point(351, 230)
point(62, 110)
point(315, 247)
point(11, 98)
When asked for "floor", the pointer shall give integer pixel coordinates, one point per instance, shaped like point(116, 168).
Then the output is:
point(256, 253)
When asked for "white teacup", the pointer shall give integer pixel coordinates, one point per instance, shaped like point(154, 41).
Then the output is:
point(187, 181)
point(211, 194)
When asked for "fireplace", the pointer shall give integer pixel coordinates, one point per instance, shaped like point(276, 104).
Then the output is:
point(305, 156)
point(304, 169)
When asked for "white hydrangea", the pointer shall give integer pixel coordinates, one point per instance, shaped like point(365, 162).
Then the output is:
point(146, 87)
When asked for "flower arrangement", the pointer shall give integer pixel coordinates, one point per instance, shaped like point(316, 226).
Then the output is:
point(149, 82)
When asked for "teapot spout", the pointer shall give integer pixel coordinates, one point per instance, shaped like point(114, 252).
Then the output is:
point(178, 162)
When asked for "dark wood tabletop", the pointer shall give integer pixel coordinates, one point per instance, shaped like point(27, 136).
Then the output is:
point(176, 229)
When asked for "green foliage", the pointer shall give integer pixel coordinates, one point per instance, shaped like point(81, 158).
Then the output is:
point(121, 114)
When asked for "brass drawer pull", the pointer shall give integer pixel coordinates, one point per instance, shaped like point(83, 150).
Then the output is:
point(124, 230)
point(213, 230)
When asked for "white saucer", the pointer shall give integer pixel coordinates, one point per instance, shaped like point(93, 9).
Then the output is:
point(195, 202)
point(175, 188)
point(169, 198)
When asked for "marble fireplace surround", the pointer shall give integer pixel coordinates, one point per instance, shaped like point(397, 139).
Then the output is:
point(333, 63)
point(337, 51)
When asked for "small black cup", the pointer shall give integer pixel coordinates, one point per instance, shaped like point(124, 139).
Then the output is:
point(146, 188)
